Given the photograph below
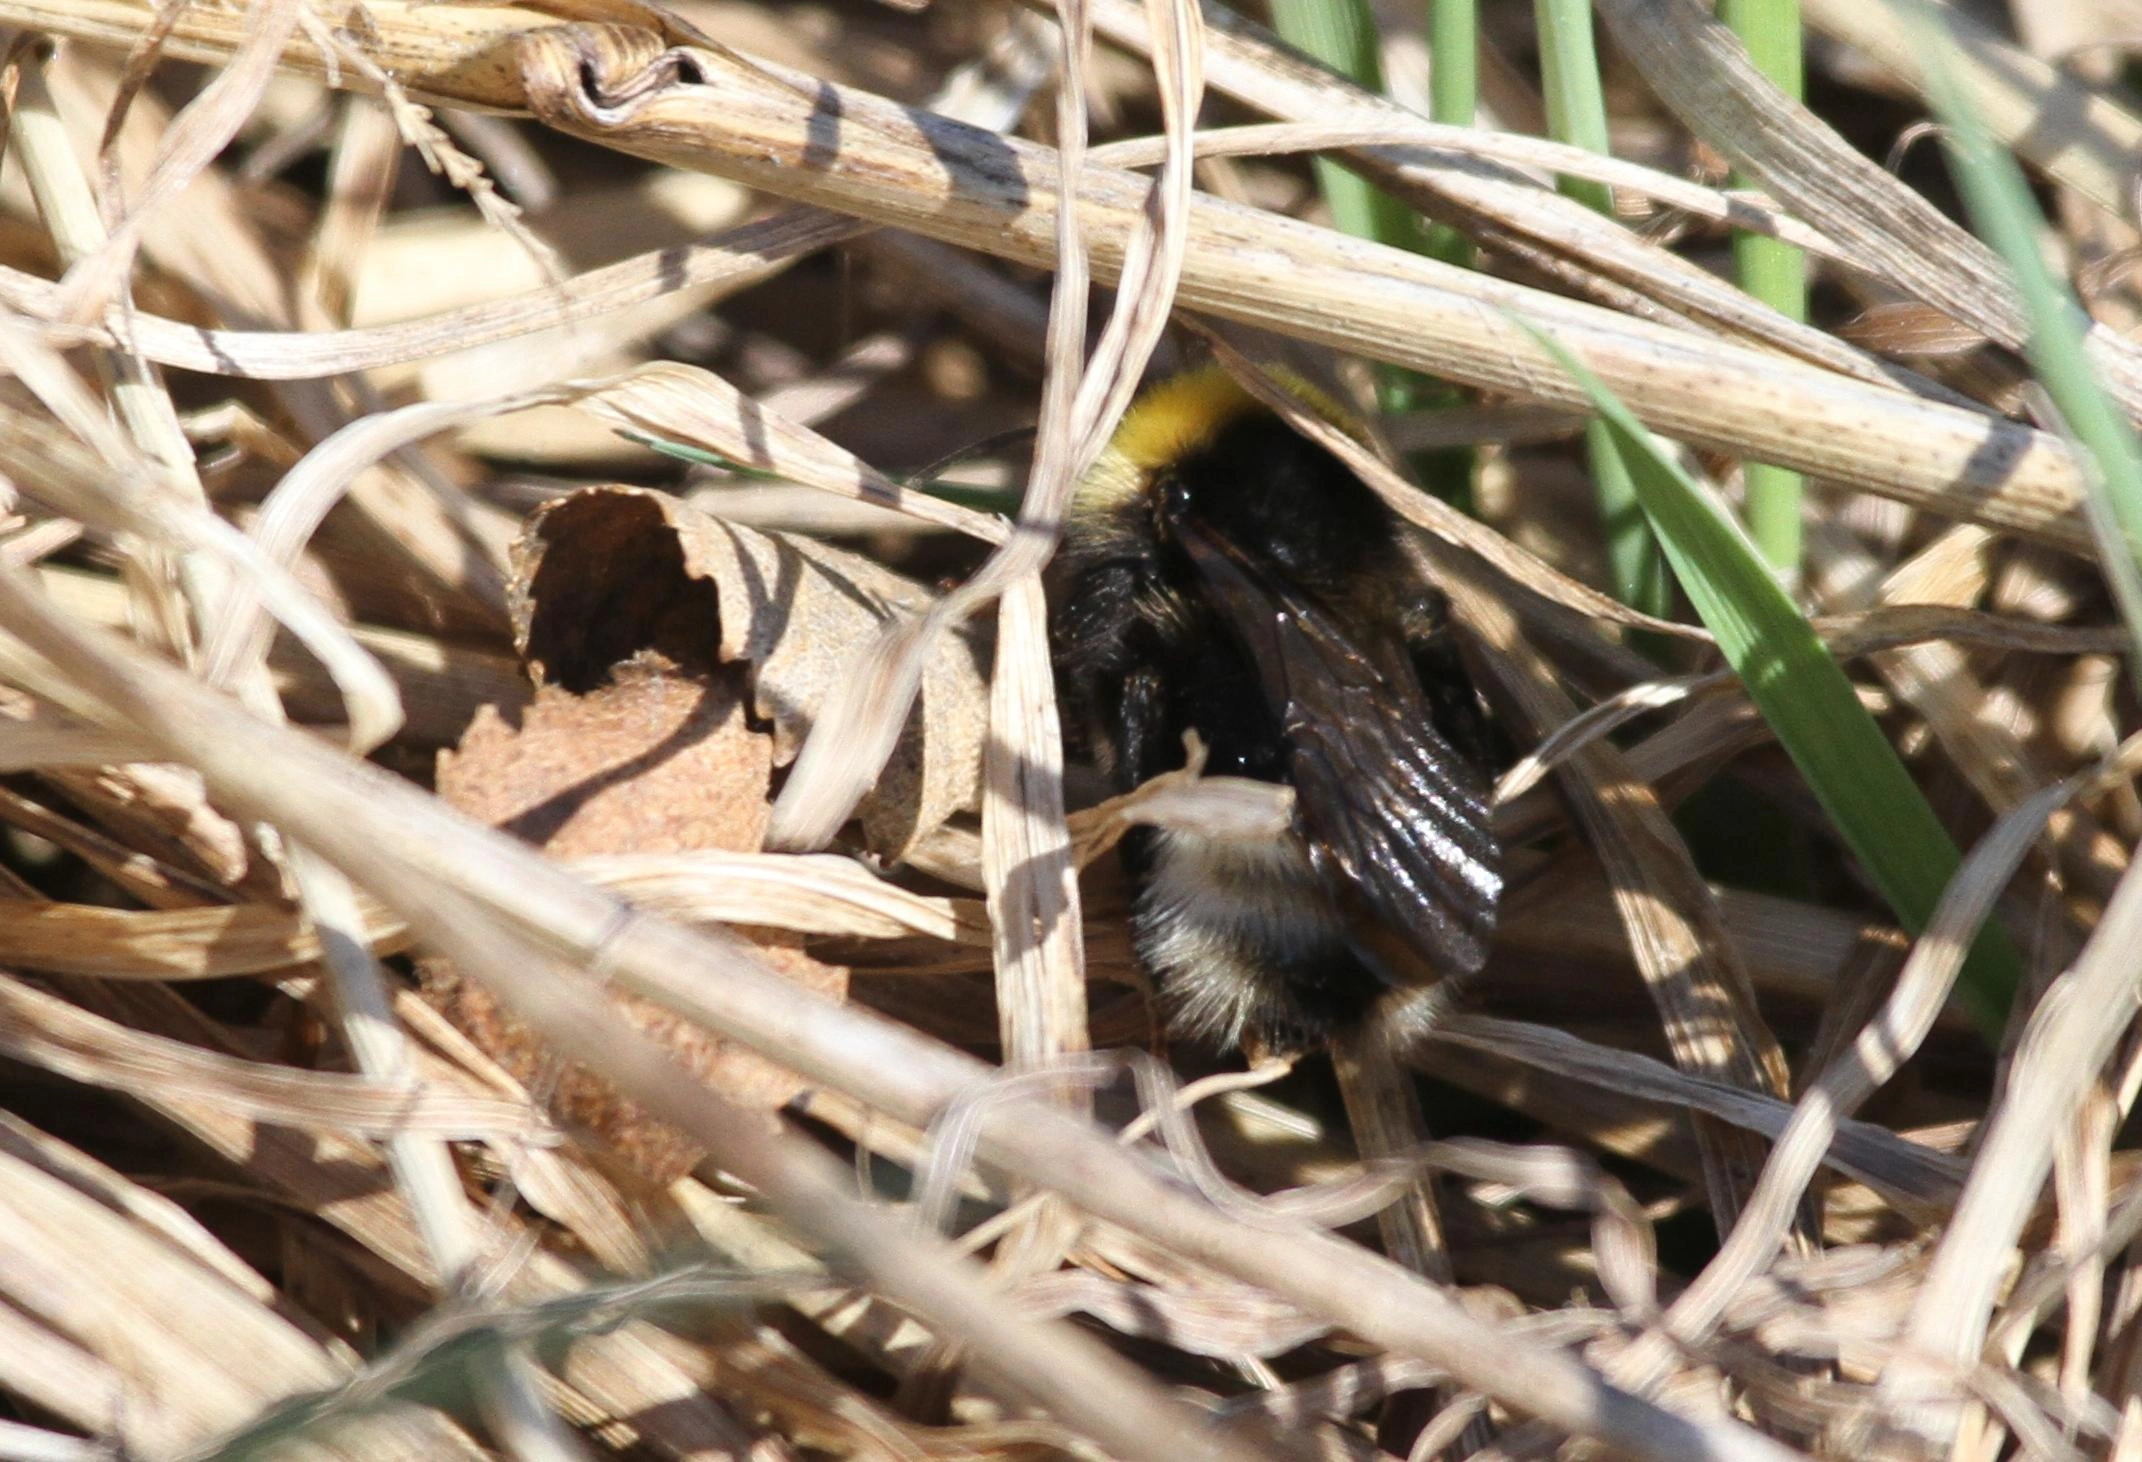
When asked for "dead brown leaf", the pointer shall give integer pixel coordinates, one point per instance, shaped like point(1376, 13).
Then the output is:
point(650, 761)
point(611, 571)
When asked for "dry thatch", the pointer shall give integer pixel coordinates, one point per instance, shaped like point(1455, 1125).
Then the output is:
point(352, 629)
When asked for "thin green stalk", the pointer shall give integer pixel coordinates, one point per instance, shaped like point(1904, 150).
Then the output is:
point(1773, 272)
point(1569, 83)
point(1342, 34)
point(1576, 113)
point(1454, 50)
point(1453, 97)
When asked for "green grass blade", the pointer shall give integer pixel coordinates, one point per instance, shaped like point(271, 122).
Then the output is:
point(1773, 272)
point(1634, 562)
point(1852, 769)
point(699, 456)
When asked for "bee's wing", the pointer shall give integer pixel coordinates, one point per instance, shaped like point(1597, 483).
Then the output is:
point(1389, 808)
point(1384, 799)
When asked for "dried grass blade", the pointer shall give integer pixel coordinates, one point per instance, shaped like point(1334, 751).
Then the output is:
point(193, 141)
point(48, 1032)
point(658, 1381)
point(68, 1381)
point(367, 818)
point(2073, 1031)
point(2063, 342)
point(1222, 1321)
point(1234, 808)
point(111, 486)
point(166, 944)
point(1086, 1385)
point(442, 683)
point(2050, 1276)
point(168, 592)
point(2074, 132)
point(215, 246)
point(720, 264)
point(1922, 1183)
point(857, 731)
point(1700, 70)
point(753, 122)
point(1907, 621)
point(1746, 211)
point(1383, 1111)
point(671, 400)
point(1683, 949)
point(1937, 678)
point(1622, 1239)
point(154, 1212)
point(447, 53)
point(1726, 398)
point(235, 645)
point(1034, 904)
point(198, 1354)
point(1498, 207)
point(1026, 848)
point(2082, 1183)
point(661, 396)
point(362, 165)
point(1076, 1377)
point(811, 895)
point(35, 737)
point(1880, 1048)
point(424, 1358)
point(507, 1384)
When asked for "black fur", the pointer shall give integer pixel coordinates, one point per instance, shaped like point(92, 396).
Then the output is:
point(1256, 592)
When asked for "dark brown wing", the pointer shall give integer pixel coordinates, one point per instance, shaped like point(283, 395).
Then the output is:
point(1390, 810)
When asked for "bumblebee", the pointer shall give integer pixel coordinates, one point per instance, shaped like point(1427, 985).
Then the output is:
point(1220, 573)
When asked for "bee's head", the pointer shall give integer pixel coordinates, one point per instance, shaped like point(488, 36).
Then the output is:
point(1170, 424)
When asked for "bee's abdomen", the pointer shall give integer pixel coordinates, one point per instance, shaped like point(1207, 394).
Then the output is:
point(1243, 939)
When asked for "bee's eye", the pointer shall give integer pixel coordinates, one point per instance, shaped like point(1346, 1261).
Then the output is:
point(1171, 500)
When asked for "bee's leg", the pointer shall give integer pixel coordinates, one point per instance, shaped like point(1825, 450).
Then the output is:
point(1142, 728)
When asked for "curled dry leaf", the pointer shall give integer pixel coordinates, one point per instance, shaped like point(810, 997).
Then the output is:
point(651, 760)
point(1187, 800)
point(609, 572)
